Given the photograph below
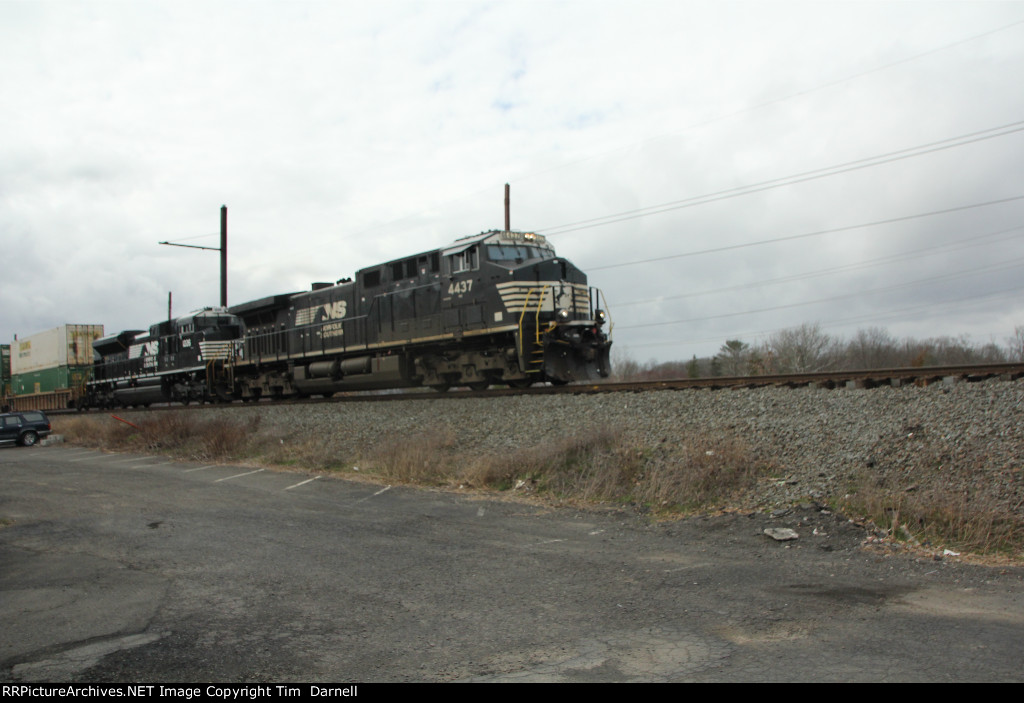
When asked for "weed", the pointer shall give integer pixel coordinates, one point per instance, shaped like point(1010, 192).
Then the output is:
point(606, 465)
point(915, 502)
point(704, 472)
point(934, 514)
point(179, 434)
point(419, 459)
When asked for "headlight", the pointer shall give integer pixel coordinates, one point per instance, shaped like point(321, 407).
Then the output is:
point(563, 315)
point(601, 316)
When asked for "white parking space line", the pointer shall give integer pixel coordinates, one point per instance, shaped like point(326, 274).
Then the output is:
point(202, 468)
point(247, 473)
point(302, 483)
point(386, 488)
point(86, 458)
point(124, 461)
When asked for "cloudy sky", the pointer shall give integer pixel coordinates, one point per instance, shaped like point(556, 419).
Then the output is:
point(720, 169)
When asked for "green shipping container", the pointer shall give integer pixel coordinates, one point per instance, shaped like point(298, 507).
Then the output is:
point(50, 380)
point(5, 370)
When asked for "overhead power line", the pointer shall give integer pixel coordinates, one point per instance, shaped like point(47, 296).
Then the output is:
point(805, 235)
point(856, 294)
point(804, 176)
point(869, 263)
point(775, 101)
point(749, 108)
point(1012, 292)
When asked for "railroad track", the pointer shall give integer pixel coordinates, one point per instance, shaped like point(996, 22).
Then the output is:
point(873, 378)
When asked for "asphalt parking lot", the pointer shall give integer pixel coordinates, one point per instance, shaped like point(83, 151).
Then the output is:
point(136, 568)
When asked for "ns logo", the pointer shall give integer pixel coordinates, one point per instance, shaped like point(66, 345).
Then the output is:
point(333, 311)
point(336, 310)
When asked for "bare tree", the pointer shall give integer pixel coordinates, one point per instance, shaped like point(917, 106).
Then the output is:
point(1015, 344)
point(914, 353)
point(953, 350)
point(992, 353)
point(803, 349)
point(871, 348)
point(624, 367)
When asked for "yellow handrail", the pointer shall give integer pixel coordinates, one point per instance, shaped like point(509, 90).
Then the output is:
point(536, 316)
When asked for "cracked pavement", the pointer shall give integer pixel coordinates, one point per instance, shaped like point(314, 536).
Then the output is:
point(136, 568)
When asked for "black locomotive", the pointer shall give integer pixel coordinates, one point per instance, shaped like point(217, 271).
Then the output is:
point(182, 360)
point(495, 308)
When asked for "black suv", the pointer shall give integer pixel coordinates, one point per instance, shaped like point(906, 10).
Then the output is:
point(24, 428)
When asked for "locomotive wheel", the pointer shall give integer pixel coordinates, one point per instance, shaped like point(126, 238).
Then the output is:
point(479, 386)
point(442, 387)
point(520, 383)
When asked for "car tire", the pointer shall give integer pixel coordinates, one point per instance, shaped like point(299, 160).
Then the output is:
point(29, 439)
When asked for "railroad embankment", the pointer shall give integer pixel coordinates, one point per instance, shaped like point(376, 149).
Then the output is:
point(935, 465)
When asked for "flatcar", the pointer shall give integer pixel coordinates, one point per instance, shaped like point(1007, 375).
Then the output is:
point(499, 307)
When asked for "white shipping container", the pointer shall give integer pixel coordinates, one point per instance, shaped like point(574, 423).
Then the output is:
point(67, 345)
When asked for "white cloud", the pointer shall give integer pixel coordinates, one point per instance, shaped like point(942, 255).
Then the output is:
point(343, 134)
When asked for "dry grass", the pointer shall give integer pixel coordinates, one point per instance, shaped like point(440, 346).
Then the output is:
point(928, 496)
point(605, 465)
point(600, 465)
point(595, 466)
point(695, 473)
point(706, 472)
point(934, 515)
point(174, 434)
point(423, 459)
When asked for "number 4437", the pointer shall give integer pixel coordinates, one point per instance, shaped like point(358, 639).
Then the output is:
point(460, 287)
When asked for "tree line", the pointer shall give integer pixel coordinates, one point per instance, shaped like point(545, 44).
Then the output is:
point(807, 348)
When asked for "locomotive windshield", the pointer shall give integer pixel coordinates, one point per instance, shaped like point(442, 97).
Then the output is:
point(210, 322)
point(509, 252)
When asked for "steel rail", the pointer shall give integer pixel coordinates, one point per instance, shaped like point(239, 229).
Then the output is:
point(869, 378)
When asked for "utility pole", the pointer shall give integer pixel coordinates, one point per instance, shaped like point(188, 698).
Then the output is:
point(508, 223)
point(223, 256)
point(223, 249)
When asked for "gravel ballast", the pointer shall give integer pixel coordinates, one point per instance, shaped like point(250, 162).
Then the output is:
point(970, 436)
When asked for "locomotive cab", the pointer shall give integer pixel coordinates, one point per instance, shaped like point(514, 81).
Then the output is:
point(515, 282)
